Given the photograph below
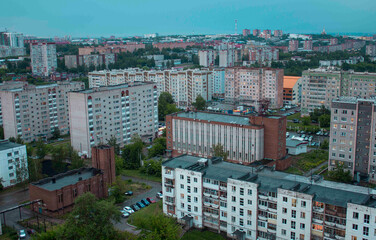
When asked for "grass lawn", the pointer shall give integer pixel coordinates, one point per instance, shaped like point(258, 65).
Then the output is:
point(294, 170)
point(138, 174)
point(202, 235)
point(295, 115)
point(305, 162)
point(8, 233)
point(142, 216)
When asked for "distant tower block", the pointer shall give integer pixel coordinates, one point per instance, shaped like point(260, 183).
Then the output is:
point(103, 157)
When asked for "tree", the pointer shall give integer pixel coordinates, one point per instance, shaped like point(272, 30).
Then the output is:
point(59, 155)
point(161, 227)
point(1, 133)
point(113, 142)
point(41, 149)
point(218, 151)
point(1, 183)
point(56, 133)
point(158, 148)
point(91, 219)
point(317, 112)
point(165, 105)
point(340, 175)
point(35, 169)
point(325, 145)
point(119, 164)
point(324, 120)
point(132, 153)
point(77, 162)
point(152, 167)
point(306, 121)
point(22, 172)
point(200, 103)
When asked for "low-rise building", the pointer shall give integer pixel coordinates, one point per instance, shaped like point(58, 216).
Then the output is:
point(296, 147)
point(292, 89)
point(260, 203)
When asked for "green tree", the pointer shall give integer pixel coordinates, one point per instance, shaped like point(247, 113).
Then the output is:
point(324, 145)
point(22, 172)
point(56, 133)
point(41, 149)
point(324, 120)
point(113, 142)
point(35, 169)
point(218, 151)
point(119, 164)
point(59, 155)
point(200, 103)
point(161, 227)
point(1, 132)
point(339, 174)
point(166, 105)
point(76, 162)
point(306, 121)
point(91, 219)
point(318, 112)
point(158, 148)
point(152, 167)
point(132, 153)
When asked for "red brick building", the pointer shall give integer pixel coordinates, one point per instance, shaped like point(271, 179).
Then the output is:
point(246, 139)
point(59, 192)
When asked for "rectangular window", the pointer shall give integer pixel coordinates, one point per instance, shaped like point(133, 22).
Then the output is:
point(355, 226)
point(285, 199)
point(366, 218)
point(293, 225)
point(365, 231)
point(242, 191)
point(249, 191)
point(355, 215)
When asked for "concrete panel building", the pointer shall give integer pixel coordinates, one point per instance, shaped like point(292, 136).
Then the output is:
point(7, 85)
point(322, 86)
point(291, 90)
point(207, 57)
point(96, 60)
point(96, 115)
point(259, 203)
point(293, 45)
point(43, 58)
point(245, 139)
point(34, 112)
point(252, 85)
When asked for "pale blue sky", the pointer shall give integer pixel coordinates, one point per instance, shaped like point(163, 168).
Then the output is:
point(81, 18)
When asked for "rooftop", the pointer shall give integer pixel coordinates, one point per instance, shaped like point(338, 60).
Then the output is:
point(5, 144)
point(334, 193)
point(113, 87)
point(289, 81)
point(354, 100)
point(68, 178)
point(294, 142)
point(215, 117)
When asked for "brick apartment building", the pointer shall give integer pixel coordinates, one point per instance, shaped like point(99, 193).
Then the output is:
point(246, 139)
point(59, 192)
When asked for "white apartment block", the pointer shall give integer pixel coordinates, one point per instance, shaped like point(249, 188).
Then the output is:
point(34, 112)
point(207, 57)
point(252, 85)
point(6, 85)
point(353, 136)
point(43, 58)
point(96, 115)
point(259, 203)
point(12, 156)
point(227, 58)
point(321, 86)
point(184, 86)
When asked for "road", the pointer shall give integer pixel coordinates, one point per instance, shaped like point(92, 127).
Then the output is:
point(12, 199)
point(155, 188)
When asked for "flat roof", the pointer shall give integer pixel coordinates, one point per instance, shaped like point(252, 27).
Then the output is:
point(66, 179)
point(113, 87)
point(225, 118)
point(5, 144)
point(334, 193)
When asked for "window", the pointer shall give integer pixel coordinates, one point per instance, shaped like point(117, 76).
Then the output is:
point(293, 214)
point(301, 236)
point(285, 199)
point(292, 235)
point(233, 219)
point(182, 186)
point(189, 198)
point(249, 191)
point(241, 202)
point(284, 221)
point(293, 224)
point(11, 174)
point(366, 218)
point(182, 205)
point(293, 202)
point(195, 190)
point(284, 210)
point(302, 215)
point(355, 215)
point(283, 232)
point(189, 208)
point(304, 204)
point(60, 198)
point(302, 226)
point(241, 223)
point(188, 179)
point(249, 222)
point(365, 231)
point(249, 202)
point(181, 176)
point(196, 209)
point(241, 212)
point(233, 209)
point(355, 227)
point(189, 189)
point(233, 199)
point(242, 191)
point(249, 212)
point(233, 188)
point(195, 199)
point(195, 179)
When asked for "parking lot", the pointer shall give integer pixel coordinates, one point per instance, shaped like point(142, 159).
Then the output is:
point(314, 139)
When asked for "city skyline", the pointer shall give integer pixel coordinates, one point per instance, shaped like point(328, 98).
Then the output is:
point(127, 18)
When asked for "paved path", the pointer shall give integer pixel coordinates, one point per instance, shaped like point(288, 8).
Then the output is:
point(307, 174)
point(155, 188)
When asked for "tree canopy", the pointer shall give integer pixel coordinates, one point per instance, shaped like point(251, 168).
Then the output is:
point(132, 153)
point(200, 103)
point(166, 105)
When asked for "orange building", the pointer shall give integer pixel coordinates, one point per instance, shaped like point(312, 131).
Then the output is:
point(291, 89)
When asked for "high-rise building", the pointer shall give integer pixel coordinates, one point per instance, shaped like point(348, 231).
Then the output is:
point(184, 86)
point(371, 50)
point(254, 203)
point(263, 54)
point(352, 136)
point(43, 58)
point(246, 32)
point(207, 57)
point(96, 115)
point(245, 139)
point(308, 45)
point(227, 58)
point(218, 82)
point(96, 60)
point(7, 85)
point(11, 44)
point(293, 45)
point(256, 32)
point(34, 112)
point(321, 86)
point(278, 33)
point(253, 85)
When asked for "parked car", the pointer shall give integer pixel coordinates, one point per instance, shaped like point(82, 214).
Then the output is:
point(125, 214)
point(318, 133)
point(159, 195)
point(326, 134)
point(128, 209)
point(31, 231)
point(129, 193)
point(22, 234)
point(140, 204)
point(287, 134)
point(151, 200)
point(135, 207)
point(145, 202)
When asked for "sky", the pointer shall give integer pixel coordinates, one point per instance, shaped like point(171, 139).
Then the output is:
point(123, 18)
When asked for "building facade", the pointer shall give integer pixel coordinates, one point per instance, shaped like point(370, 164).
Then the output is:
point(263, 55)
point(13, 160)
point(293, 45)
point(371, 50)
point(322, 86)
point(291, 90)
point(207, 57)
point(96, 115)
point(43, 58)
point(227, 58)
point(96, 60)
point(255, 203)
point(11, 44)
point(246, 32)
point(253, 85)
point(308, 45)
point(7, 85)
point(245, 139)
point(34, 112)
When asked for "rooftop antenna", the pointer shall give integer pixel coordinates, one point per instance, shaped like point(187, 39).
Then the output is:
point(236, 27)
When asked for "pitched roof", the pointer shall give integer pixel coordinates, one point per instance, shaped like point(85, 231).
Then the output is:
point(289, 81)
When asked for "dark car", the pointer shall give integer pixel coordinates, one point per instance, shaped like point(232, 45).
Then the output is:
point(140, 205)
point(135, 207)
point(129, 193)
point(151, 200)
point(145, 202)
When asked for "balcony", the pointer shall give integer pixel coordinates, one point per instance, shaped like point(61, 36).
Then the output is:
point(314, 220)
point(262, 218)
point(224, 198)
point(223, 188)
point(170, 202)
point(263, 197)
point(318, 209)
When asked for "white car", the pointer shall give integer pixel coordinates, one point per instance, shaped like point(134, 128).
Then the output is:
point(22, 234)
point(125, 214)
point(160, 195)
point(128, 209)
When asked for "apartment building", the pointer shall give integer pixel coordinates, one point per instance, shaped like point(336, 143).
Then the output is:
point(371, 50)
point(96, 115)
point(259, 203)
point(11, 44)
point(227, 58)
point(278, 33)
point(263, 54)
point(34, 112)
point(321, 86)
point(292, 89)
point(308, 45)
point(253, 85)
point(96, 60)
point(352, 139)
point(246, 32)
point(12, 156)
point(43, 58)
point(293, 45)
point(207, 57)
point(6, 85)
point(218, 82)
point(245, 139)
point(256, 32)
point(184, 86)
